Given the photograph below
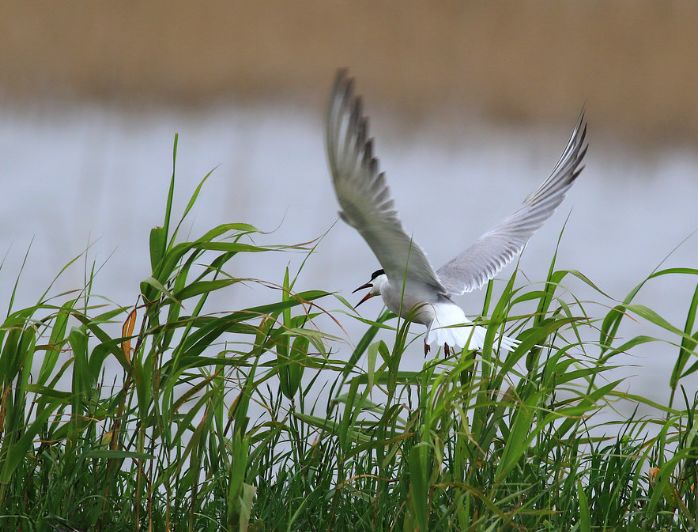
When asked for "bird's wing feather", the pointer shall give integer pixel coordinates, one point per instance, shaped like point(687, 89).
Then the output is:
point(495, 249)
point(362, 190)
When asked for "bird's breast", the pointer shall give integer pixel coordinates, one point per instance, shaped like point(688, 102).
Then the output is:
point(414, 302)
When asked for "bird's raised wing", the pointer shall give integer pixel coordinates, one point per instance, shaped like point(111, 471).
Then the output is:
point(495, 249)
point(362, 190)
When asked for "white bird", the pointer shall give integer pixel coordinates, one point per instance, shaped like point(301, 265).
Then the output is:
point(408, 283)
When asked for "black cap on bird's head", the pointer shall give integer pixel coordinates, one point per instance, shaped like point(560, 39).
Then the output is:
point(368, 285)
point(377, 273)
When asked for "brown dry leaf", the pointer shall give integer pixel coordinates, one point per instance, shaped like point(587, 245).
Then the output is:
point(127, 332)
point(3, 407)
point(107, 438)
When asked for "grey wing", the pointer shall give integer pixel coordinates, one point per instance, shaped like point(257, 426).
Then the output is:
point(362, 190)
point(495, 249)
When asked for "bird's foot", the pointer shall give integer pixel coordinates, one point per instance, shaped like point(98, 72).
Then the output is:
point(427, 348)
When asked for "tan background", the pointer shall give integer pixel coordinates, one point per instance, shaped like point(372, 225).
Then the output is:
point(632, 61)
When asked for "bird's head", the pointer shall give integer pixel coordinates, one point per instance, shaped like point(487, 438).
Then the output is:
point(378, 279)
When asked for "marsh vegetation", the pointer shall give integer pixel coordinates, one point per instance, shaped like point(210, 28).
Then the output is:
point(258, 418)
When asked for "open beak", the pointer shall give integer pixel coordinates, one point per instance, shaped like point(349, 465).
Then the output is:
point(366, 297)
point(367, 285)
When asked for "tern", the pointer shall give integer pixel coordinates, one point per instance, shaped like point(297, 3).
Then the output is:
point(408, 283)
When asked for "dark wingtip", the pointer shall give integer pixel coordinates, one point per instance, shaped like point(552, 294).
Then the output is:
point(581, 119)
point(342, 77)
point(580, 127)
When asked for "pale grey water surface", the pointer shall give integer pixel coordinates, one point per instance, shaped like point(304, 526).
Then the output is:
point(70, 176)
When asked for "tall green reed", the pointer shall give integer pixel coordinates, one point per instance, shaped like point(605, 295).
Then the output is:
point(165, 415)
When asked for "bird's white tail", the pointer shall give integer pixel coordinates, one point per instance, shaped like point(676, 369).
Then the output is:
point(442, 330)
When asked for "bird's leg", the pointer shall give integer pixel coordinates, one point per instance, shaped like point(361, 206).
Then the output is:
point(447, 351)
point(427, 347)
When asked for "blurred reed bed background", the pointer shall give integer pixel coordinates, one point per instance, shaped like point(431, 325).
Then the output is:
point(631, 61)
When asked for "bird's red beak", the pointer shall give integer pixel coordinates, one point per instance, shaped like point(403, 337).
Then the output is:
point(367, 296)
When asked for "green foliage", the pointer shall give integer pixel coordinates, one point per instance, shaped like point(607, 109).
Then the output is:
point(165, 416)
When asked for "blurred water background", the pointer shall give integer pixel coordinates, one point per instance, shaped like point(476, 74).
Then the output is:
point(471, 104)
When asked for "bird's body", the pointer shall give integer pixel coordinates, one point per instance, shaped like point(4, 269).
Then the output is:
point(414, 300)
point(446, 322)
point(407, 282)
